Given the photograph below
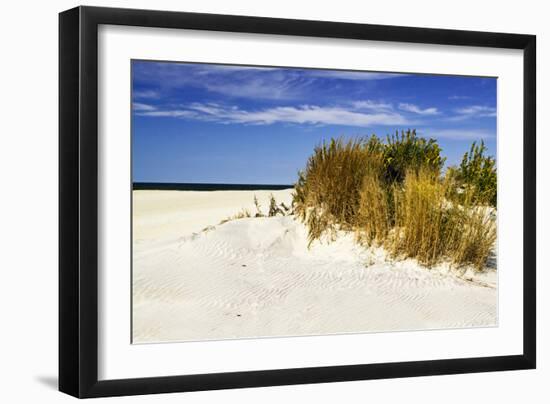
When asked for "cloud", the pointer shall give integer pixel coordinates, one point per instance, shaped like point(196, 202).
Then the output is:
point(372, 105)
point(472, 112)
point(267, 88)
point(253, 82)
point(227, 80)
point(137, 106)
point(212, 68)
point(458, 134)
point(353, 75)
point(478, 110)
point(304, 114)
point(145, 94)
point(417, 110)
point(459, 97)
point(170, 114)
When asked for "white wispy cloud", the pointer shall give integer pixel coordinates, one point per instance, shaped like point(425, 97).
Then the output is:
point(205, 69)
point(304, 114)
point(145, 94)
point(254, 82)
point(267, 88)
point(138, 106)
point(459, 97)
point(233, 81)
point(457, 134)
point(170, 114)
point(372, 105)
point(474, 111)
point(417, 110)
point(478, 110)
point(353, 75)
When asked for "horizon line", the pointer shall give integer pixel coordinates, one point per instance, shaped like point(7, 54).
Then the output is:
point(204, 186)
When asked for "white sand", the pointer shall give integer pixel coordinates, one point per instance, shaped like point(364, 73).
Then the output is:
point(255, 277)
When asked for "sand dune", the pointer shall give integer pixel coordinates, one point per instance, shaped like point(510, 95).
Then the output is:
point(256, 277)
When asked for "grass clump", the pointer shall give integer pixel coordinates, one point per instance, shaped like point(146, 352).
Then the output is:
point(393, 195)
point(274, 210)
point(245, 213)
point(258, 207)
point(327, 191)
point(421, 218)
point(475, 233)
point(430, 228)
point(277, 209)
point(374, 216)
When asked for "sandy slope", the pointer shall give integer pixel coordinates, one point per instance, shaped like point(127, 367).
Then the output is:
point(256, 277)
point(161, 215)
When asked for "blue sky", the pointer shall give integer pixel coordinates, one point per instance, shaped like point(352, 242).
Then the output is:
point(207, 123)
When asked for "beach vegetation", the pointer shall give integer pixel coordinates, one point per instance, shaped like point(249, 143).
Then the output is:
point(245, 213)
point(327, 193)
point(258, 207)
point(476, 175)
point(430, 227)
point(274, 209)
point(406, 151)
point(393, 194)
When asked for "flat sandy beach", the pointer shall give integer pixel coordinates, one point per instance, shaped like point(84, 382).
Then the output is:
point(197, 279)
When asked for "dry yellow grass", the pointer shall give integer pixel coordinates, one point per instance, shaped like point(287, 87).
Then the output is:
point(475, 234)
point(374, 214)
point(420, 218)
point(431, 228)
point(328, 191)
point(244, 213)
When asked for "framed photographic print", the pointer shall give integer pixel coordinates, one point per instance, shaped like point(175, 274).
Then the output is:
point(251, 201)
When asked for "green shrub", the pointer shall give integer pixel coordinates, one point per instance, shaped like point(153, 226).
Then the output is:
point(406, 152)
point(477, 173)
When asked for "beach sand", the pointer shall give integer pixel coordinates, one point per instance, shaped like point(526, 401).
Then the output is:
point(196, 279)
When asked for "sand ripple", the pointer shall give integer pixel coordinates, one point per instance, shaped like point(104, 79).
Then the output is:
point(256, 277)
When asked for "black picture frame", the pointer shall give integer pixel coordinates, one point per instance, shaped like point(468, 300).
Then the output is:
point(78, 201)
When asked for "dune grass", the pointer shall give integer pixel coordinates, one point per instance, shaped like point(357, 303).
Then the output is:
point(274, 209)
point(245, 213)
point(327, 194)
point(374, 216)
point(422, 218)
point(393, 195)
point(430, 227)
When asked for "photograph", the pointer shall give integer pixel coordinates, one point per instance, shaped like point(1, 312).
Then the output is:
point(287, 201)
